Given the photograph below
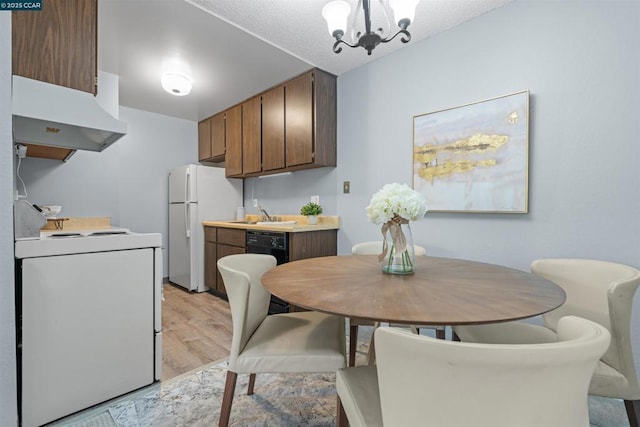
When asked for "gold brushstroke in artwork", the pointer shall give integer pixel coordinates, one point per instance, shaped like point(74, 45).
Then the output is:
point(438, 161)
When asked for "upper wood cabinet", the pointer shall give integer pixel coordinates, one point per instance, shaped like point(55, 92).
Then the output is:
point(204, 139)
point(233, 129)
point(57, 44)
point(310, 119)
point(218, 136)
point(324, 126)
point(298, 114)
point(211, 139)
point(289, 127)
point(251, 136)
point(273, 129)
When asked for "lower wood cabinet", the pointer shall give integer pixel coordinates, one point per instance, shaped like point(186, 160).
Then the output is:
point(313, 244)
point(223, 251)
point(210, 257)
point(221, 241)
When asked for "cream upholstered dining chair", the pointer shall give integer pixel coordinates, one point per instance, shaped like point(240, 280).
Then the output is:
point(421, 381)
point(597, 290)
point(305, 341)
point(375, 248)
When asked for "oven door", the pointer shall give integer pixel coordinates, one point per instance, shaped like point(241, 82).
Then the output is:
point(78, 314)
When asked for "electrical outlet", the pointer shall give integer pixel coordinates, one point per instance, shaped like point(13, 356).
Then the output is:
point(315, 199)
point(346, 187)
point(21, 151)
point(255, 203)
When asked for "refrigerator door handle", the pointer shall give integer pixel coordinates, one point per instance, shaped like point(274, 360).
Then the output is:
point(187, 220)
point(187, 199)
point(187, 182)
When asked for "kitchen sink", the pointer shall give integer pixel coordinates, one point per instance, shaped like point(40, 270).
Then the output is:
point(276, 222)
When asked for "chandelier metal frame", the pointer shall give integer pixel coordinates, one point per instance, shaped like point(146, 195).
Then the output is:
point(369, 40)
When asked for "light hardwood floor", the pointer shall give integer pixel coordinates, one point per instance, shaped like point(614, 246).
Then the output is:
point(196, 330)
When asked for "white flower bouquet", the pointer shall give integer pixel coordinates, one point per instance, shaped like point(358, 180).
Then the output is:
point(394, 206)
point(396, 200)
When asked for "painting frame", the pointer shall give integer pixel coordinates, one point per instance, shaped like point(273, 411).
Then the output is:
point(474, 158)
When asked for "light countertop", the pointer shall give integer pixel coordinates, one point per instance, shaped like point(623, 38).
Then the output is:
point(250, 223)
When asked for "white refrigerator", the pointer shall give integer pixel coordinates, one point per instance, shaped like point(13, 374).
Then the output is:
point(196, 194)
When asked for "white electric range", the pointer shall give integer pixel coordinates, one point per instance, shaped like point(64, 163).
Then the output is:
point(90, 319)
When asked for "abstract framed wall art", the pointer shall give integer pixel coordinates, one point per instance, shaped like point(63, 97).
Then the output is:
point(474, 158)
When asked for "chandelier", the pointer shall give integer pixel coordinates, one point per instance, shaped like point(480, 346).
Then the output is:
point(337, 12)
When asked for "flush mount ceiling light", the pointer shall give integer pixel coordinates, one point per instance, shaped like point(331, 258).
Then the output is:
point(176, 77)
point(336, 13)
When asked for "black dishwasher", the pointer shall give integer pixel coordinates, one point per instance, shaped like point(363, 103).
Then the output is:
point(274, 243)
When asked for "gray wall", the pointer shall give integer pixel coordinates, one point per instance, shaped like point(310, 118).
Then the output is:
point(8, 392)
point(580, 62)
point(127, 181)
point(285, 195)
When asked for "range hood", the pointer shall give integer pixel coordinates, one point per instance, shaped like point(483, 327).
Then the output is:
point(57, 116)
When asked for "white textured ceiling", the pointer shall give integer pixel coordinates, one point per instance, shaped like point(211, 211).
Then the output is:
point(237, 48)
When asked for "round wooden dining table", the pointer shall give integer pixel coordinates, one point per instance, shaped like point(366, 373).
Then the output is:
point(442, 291)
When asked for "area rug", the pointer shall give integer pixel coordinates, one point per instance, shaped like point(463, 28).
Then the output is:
point(193, 400)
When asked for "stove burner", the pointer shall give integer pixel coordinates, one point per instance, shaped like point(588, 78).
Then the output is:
point(107, 233)
point(59, 235)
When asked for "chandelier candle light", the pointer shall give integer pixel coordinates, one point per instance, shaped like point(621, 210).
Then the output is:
point(337, 12)
point(393, 207)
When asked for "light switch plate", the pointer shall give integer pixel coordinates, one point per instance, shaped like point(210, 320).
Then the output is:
point(346, 187)
point(315, 199)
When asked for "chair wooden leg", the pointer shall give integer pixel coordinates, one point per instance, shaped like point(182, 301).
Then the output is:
point(341, 416)
point(353, 343)
point(440, 333)
point(371, 355)
point(252, 382)
point(633, 411)
point(227, 398)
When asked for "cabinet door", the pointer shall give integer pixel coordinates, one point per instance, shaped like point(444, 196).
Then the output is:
point(210, 257)
point(210, 268)
point(325, 120)
point(251, 136)
point(210, 234)
point(57, 44)
point(233, 127)
point(218, 145)
point(232, 236)
point(204, 139)
point(312, 244)
point(223, 251)
point(273, 129)
point(299, 120)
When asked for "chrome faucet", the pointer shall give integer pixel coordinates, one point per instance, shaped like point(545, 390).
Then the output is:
point(265, 215)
